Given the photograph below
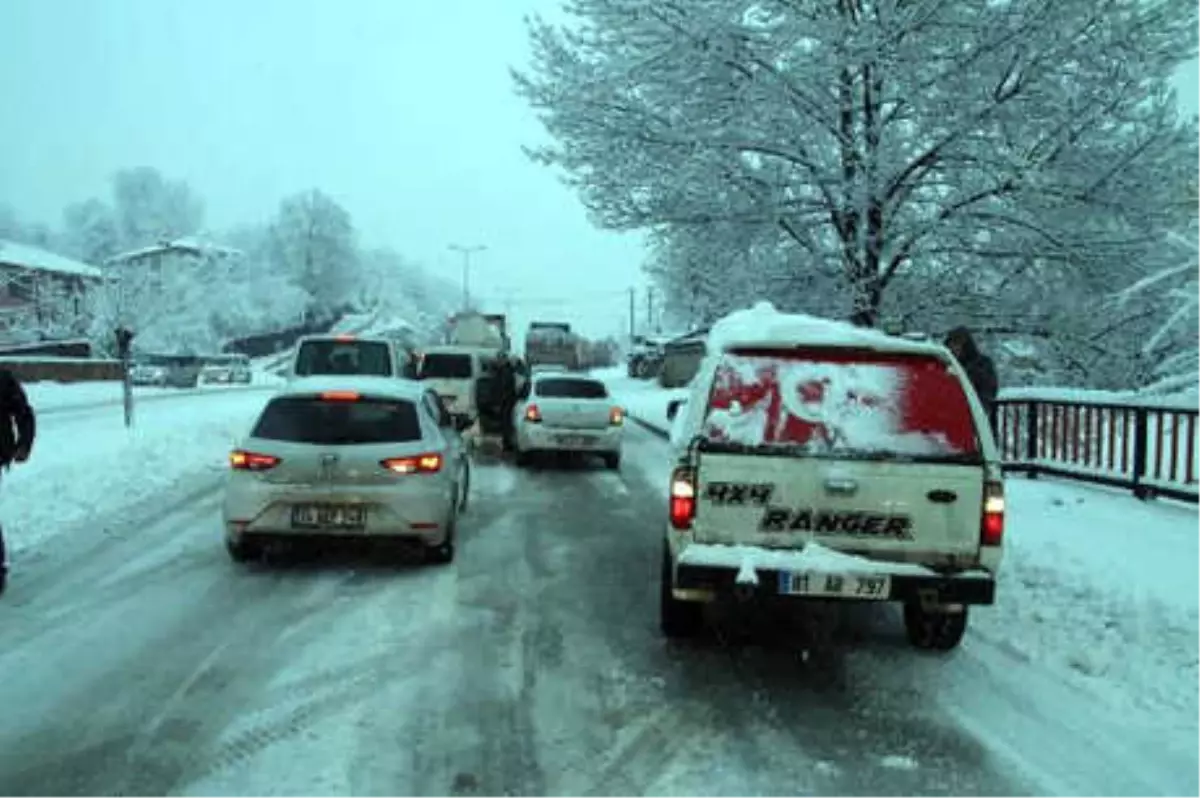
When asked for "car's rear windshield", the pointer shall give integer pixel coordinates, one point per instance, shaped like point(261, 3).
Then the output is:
point(570, 389)
point(842, 403)
point(444, 365)
point(372, 358)
point(304, 419)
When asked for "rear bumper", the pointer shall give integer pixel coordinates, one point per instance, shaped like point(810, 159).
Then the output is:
point(704, 582)
point(537, 438)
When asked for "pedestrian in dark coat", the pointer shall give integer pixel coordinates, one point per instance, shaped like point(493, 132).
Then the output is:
point(506, 393)
point(18, 426)
point(981, 371)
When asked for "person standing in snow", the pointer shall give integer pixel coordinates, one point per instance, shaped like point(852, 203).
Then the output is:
point(981, 371)
point(18, 426)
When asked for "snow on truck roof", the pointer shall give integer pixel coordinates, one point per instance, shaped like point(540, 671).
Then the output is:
point(763, 325)
point(38, 259)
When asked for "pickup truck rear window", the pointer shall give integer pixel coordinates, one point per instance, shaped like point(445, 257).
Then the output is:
point(437, 365)
point(839, 402)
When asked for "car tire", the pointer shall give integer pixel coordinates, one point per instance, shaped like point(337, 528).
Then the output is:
point(677, 619)
point(242, 551)
point(612, 461)
point(524, 458)
point(934, 629)
point(443, 553)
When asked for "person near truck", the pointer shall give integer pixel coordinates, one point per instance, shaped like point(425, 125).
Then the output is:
point(18, 425)
point(980, 369)
point(506, 395)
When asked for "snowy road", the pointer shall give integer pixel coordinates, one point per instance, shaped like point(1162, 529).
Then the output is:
point(146, 662)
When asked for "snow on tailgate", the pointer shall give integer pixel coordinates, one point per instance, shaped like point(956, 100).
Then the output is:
point(812, 558)
point(831, 401)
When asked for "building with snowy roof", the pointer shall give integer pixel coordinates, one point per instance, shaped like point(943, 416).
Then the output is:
point(42, 294)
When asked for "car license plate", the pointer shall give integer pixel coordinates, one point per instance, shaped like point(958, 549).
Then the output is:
point(874, 587)
point(328, 516)
point(572, 440)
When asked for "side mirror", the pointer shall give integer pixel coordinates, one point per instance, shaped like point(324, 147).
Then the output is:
point(673, 408)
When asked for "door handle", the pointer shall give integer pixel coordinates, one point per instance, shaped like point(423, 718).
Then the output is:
point(942, 496)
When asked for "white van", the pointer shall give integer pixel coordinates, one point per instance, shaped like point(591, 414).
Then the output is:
point(452, 372)
point(319, 355)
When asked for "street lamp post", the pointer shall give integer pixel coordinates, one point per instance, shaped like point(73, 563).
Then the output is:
point(466, 269)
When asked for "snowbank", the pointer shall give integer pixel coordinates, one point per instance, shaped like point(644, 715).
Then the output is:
point(87, 468)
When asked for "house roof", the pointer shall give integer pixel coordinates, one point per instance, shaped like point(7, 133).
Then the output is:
point(37, 259)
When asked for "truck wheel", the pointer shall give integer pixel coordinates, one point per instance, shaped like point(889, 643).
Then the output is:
point(242, 551)
point(524, 458)
point(677, 619)
point(612, 461)
point(934, 629)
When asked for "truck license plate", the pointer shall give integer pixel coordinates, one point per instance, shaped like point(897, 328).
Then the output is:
point(872, 587)
point(571, 440)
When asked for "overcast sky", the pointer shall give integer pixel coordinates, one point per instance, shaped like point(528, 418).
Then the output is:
point(401, 110)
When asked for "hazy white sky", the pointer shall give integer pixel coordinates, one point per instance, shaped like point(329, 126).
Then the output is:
point(402, 110)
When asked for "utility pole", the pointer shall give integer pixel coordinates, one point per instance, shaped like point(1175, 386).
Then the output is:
point(632, 315)
point(650, 309)
point(466, 269)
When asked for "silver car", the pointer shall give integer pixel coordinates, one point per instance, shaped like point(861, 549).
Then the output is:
point(563, 412)
point(336, 457)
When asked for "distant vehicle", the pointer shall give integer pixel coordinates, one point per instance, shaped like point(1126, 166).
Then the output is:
point(227, 370)
point(341, 354)
point(820, 462)
point(551, 343)
point(453, 372)
point(331, 457)
point(148, 374)
point(560, 412)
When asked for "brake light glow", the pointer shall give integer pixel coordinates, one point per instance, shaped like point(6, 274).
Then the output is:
point(345, 338)
point(240, 460)
point(430, 463)
point(533, 414)
point(339, 396)
point(616, 417)
point(991, 532)
point(683, 498)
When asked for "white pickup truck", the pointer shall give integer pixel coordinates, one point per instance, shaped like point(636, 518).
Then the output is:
point(819, 461)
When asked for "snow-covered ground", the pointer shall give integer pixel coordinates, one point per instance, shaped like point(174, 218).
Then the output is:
point(85, 459)
point(1098, 593)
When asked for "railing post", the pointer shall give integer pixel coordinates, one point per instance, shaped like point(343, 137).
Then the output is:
point(1141, 434)
point(1031, 438)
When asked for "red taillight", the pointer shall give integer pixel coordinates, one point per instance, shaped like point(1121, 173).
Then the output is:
point(345, 338)
point(240, 460)
point(339, 396)
point(418, 464)
point(683, 498)
point(533, 414)
point(991, 532)
point(616, 416)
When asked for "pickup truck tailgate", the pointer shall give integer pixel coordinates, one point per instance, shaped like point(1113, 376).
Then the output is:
point(901, 509)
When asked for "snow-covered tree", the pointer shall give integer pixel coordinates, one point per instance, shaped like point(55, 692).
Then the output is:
point(150, 209)
point(313, 240)
point(90, 231)
point(972, 144)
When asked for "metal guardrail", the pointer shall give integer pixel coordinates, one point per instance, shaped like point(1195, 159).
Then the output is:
point(1147, 449)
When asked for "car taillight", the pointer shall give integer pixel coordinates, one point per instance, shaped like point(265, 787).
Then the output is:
point(339, 396)
point(991, 532)
point(533, 414)
point(418, 464)
point(616, 417)
point(683, 498)
point(240, 460)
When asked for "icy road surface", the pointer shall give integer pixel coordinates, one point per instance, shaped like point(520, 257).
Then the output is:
point(145, 662)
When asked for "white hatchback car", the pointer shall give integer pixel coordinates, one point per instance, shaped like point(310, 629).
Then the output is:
point(563, 412)
point(331, 457)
